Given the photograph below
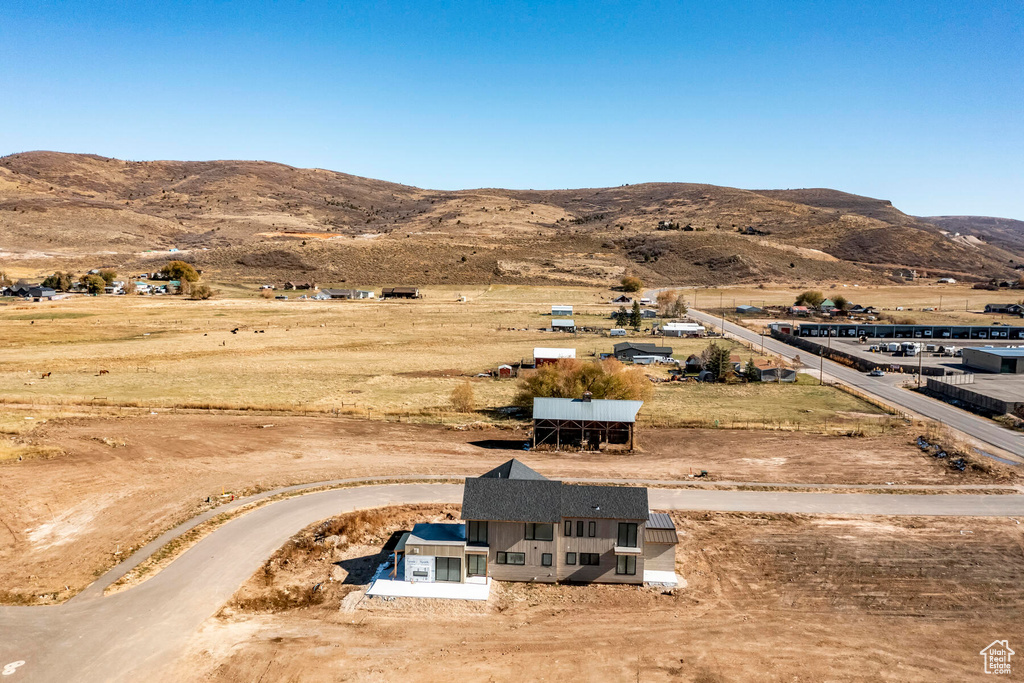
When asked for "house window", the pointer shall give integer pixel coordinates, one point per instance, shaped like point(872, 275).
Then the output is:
point(476, 564)
point(592, 529)
point(500, 559)
point(514, 558)
point(568, 527)
point(627, 535)
point(590, 559)
point(579, 528)
point(626, 564)
point(545, 559)
point(570, 558)
point(476, 532)
point(539, 532)
point(448, 569)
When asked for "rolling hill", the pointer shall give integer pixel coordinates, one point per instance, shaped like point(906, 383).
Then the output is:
point(260, 220)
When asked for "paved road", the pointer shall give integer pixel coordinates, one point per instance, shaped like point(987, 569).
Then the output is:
point(974, 426)
point(138, 632)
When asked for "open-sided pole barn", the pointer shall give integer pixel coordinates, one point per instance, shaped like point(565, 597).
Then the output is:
point(583, 422)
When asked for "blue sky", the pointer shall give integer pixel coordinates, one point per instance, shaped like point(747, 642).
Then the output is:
point(921, 103)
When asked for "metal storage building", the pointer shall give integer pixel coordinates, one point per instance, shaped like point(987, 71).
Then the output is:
point(995, 360)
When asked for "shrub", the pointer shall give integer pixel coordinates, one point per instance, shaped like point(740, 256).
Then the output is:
point(569, 378)
point(179, 270)
point(631, 283)
point(94, 284)
point(197, 291)
point(462, 398)
point(811, 297)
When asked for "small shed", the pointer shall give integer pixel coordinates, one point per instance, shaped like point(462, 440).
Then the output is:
point(561, 310)
point(504, 371)
point(544, 355)
point(563, 325)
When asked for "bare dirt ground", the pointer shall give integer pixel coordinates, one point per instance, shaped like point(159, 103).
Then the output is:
point(122, 480)
point(768, 597)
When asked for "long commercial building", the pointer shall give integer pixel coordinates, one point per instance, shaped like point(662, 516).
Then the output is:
point(873, 331)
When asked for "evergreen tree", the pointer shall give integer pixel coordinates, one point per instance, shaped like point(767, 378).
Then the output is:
point(636, 318)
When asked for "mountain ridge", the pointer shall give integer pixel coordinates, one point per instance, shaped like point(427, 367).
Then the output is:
point(226, 214)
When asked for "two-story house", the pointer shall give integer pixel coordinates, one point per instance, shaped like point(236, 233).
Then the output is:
point(521, 526)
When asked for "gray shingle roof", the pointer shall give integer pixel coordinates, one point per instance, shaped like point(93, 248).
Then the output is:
point(513, 469)
point(600, 410)
point(511, 500)
point(526, 496)
point(604, 502)
point(651, 349)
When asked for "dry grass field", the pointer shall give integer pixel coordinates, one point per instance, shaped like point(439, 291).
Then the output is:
point(397, 359)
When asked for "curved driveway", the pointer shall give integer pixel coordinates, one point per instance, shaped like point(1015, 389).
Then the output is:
point(139, 632)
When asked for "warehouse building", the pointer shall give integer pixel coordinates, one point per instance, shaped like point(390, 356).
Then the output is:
point(995, 360)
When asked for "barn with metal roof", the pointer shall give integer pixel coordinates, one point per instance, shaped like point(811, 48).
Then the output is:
point(583, 423)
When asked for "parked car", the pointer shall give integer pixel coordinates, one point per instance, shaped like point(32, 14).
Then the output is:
point(877, 372)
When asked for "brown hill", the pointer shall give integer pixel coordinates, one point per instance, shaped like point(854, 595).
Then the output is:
point(1006, 233)
point(255, 219)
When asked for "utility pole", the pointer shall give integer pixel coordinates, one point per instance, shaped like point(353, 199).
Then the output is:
point(940, 302)
point(920, 364)
point(821, 365)
point(721, 305)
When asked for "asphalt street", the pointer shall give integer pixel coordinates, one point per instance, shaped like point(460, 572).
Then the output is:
point(977, 427)
point(137, 633)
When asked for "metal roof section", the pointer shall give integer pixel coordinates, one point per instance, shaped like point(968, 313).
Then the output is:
point(548, 352)
point(597, 410)
point(563, 322)
point(996, 351)
point(437, 534)
point(661, 536)
point(660, 520)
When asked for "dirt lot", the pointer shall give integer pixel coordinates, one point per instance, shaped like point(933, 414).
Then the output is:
point(767, 597)
point(124, 479)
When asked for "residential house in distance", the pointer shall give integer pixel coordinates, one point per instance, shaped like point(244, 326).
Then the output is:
point(622, 299)
point(1011, 309)
point(627, 350)
point(584, 423)
point(745, 309)
point(799, 310)
point(26, 291)
point(561, 310)
point(682, 330)
point(827, 306)
point(348, 293)
point(300, 285)
point(563, 325)
point(648, 313)
point(400, 293)
point(773, 371)
point(521, 526)
point(543, 355)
